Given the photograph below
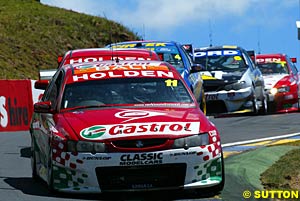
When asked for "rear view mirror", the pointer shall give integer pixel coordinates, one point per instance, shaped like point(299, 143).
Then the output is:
point(294, 59)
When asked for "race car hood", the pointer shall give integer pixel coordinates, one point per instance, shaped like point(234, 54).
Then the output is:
point(272, 80)
point(127, 123)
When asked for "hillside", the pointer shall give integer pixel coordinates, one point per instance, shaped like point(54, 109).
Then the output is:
point(32, 35)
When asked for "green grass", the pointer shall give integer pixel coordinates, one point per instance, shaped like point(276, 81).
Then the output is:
point(284, 174)
point(32, 35)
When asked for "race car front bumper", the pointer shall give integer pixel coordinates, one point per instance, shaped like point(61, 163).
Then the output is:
point(232, 101)
point(282, 102)
point(197, 167)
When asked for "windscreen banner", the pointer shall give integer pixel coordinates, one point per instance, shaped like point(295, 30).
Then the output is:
point(16, 105)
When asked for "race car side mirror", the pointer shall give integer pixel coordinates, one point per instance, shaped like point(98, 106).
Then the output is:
point(41, 84)
point(43, 107)
point(294, 59)
point(196, 68)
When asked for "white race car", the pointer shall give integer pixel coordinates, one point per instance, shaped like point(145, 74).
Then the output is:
point(232, 83)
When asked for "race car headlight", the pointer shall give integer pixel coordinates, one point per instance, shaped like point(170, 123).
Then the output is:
point(236, 86)
point(82, 146)
point(191, 141)
point(279, 90)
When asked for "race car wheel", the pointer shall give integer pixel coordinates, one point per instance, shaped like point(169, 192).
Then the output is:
point(214, 190)
point(264, 106)
point(33, 160)
point(50, 173)
point(255, 108)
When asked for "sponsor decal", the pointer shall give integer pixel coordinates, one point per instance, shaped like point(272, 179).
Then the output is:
point(268, 60)
point(186, 153)
point(139, 144)
point(18, 115)
point(122, 74)
point(211, 96)
point(130, 115)
point(96, 158)
point(132, 45)
point(141, 159)
point(171, 83)
point(93, 132)
point(151, 128)
point(208, 77)
point(3, 112)
point(124, 66)
point(104, 58)
point(97, 132)
point(217, 53)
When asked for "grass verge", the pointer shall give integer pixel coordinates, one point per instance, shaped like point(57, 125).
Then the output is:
point(284, 174)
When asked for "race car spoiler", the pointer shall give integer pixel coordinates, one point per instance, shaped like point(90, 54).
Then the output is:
point(46, 74)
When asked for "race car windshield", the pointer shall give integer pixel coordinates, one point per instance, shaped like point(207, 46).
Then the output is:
point(222, 62)
point(131, 91)
point(273, 68)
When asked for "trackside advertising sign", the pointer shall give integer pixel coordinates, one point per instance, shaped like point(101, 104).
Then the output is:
point(16, 105)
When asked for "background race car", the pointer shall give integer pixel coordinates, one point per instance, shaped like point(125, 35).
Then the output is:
point(232, 82)
point(282, 81)
point(98, 54)
point(122, 126)
point(175, 54)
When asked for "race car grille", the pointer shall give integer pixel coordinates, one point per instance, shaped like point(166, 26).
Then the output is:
point(141, 177)
point(141, 143)
point(217, 106)
point(215, 85)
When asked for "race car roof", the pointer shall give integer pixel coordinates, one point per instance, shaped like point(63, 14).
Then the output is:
point(141, 43)
point(109, 51)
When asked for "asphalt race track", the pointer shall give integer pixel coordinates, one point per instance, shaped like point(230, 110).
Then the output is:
point(15, 170)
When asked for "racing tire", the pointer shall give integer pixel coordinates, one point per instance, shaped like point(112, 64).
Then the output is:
point(264, 106)
point(254, 109)
point(50, 179)
point(33, 161)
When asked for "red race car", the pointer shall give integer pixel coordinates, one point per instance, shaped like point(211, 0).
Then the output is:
point(99, 54)
point(282, 81)
point(111, 126)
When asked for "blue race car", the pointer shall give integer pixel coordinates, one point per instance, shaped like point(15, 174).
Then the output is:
point(177, 55)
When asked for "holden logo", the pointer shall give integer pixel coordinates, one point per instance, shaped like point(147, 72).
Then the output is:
point(139, 144)
point(93, 132)
point(136, 114)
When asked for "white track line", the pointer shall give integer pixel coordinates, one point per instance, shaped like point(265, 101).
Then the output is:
point(260, 140)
